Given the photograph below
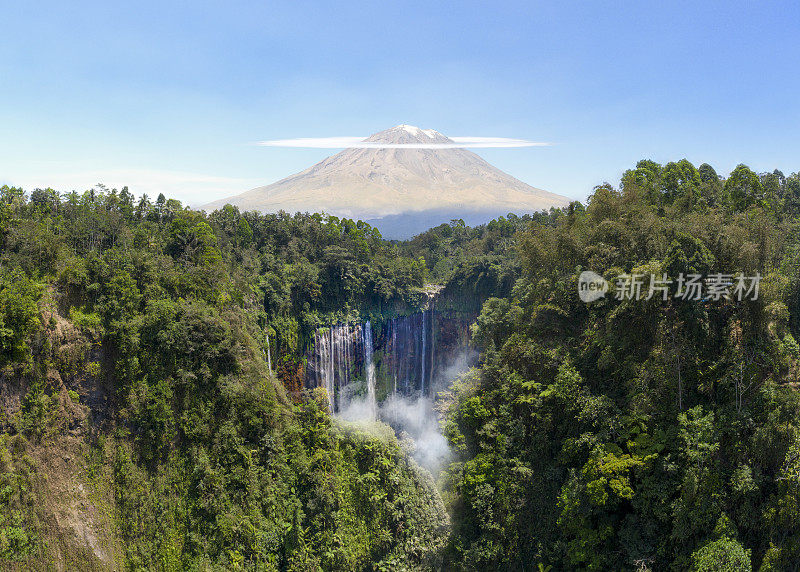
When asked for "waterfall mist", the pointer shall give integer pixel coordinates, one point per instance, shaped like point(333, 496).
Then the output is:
point(416, 420)
point(414, 417)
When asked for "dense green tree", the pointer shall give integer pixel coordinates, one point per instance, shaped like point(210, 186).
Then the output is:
point(19, 315)
point(743, 188)
point(622, 434)
point(640, 426)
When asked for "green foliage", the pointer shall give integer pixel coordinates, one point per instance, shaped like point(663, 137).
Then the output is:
point(19, 538)
point(723, 555)
point(89, 322)
point(743, 188)
point(19, 315)
point(618, 435)
point(630, 434)
point(159, 316)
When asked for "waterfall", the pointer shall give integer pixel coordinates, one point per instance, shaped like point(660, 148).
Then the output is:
point(424, 347)
point(329, 372)
point(403, 356)
point(370, 367)
point(433, 341)
point(403, 360)
point(341, 369)
point(405, 351)
point(390, 351)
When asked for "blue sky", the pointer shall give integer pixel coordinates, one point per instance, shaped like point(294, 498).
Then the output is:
point(172, 95)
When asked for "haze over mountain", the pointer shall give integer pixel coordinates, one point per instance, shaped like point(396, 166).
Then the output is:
point(401, 191)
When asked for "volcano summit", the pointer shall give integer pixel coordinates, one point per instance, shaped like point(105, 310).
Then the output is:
point(401, 191)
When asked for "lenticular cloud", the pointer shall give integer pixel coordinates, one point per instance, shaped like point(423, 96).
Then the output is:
point(362, 143)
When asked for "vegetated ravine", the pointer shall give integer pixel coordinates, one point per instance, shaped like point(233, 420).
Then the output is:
point(176, 386)
point(182, 390)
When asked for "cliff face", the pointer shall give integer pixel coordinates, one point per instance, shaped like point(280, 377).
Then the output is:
point(58, 490)
point(411, 355)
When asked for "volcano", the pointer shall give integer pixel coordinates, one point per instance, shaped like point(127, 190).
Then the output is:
point(401, 191)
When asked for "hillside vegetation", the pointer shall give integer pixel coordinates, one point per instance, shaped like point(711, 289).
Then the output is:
point(639, 434)
point(141, 427)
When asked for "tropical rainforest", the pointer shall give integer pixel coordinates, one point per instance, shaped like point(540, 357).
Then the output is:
point(155, 412)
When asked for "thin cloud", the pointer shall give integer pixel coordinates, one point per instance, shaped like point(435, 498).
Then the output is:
point(361, 143)
point(191, 188)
